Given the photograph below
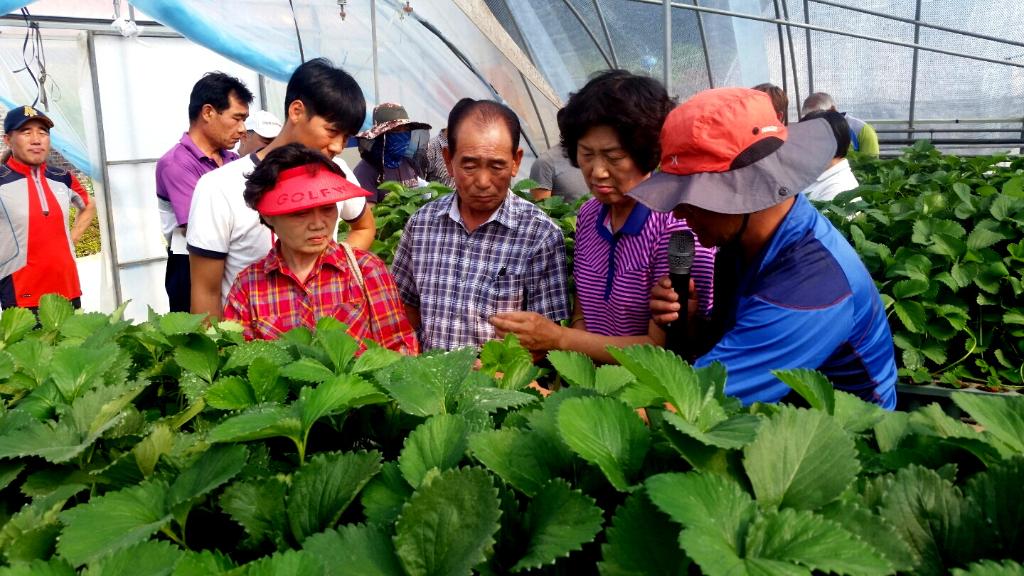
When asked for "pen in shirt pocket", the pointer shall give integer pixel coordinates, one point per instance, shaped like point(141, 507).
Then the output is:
point(502, 272)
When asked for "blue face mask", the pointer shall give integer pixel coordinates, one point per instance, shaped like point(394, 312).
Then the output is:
point(395, 144)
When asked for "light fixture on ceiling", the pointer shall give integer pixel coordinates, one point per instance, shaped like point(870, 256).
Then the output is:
point(341, 8)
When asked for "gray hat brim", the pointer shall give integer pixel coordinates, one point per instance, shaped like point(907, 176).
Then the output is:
point(806, 153)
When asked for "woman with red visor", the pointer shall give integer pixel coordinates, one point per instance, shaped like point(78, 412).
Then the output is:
point(308, 275)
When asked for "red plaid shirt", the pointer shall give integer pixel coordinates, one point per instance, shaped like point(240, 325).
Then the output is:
point(269, 300)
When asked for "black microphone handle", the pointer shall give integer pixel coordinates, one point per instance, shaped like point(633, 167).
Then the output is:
point(676, 333)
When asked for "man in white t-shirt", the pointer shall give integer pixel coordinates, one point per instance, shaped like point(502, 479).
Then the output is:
point(323, 107)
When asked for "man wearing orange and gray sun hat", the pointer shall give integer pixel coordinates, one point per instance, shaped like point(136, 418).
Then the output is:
point(790, 291)
point(37, 251)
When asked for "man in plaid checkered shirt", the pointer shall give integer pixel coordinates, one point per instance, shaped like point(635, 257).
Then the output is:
point(467, 256)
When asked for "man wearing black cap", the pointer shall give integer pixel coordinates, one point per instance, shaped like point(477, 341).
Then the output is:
point(36, 248)
point(790, 292)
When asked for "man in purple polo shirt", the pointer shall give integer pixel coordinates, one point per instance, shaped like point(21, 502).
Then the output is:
point(217, 109)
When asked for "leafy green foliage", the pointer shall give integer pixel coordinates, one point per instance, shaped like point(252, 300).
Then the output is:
point(176, 448)
point(941, 236)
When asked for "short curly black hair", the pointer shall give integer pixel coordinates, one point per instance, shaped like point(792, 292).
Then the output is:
point(264, 177)
point(633, 106)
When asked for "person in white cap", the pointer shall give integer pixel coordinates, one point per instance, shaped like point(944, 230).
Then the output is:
point(261, 128)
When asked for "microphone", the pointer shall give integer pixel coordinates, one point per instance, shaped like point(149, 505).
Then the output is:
point(680, 260)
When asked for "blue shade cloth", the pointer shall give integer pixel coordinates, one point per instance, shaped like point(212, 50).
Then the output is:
point(195, 25)
point(8, 6)
point(76, 156)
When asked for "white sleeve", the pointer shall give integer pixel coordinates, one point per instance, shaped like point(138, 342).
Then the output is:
point(210, 219)
point(351, 209)
point(349, 174)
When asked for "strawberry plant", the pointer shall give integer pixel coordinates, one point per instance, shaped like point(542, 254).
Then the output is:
point(172, 448)
point(942, 237)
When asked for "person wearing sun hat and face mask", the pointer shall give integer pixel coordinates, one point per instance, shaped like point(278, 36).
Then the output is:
point(307, 275)
point(391, 150)
point(790, 291)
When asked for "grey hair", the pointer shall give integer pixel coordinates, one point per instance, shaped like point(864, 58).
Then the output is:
point(817, 101)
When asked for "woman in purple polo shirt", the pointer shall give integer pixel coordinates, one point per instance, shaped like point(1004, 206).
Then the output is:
point(610, 129)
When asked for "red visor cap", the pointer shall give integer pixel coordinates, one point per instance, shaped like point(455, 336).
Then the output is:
point(714, 127)
point(305, 187)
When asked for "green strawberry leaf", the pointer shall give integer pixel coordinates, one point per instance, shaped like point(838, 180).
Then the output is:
point(800, 459)
point(517, 456)
point(812, 386)
point(113, 522)
point(448, 524)
point(559, 521)
point(150, 558)
point(439, 443)
point(642, 540)
point(355, 550)
point(322, 489)
point(230, 393)
point(1001, 416)
point(258, 506)
point(607, 433)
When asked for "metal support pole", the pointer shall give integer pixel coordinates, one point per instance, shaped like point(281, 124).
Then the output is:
point(917, 22)
point(111, 238)
point(536, 111)
point(704, 44)
point(668, 44)
point(782, 47)
point(607, 35)
point(792, 54)
point(810, 61)
point(834, 31)
point(586, 28)
point(913, 70)
point(373, 45)
point(262, 85)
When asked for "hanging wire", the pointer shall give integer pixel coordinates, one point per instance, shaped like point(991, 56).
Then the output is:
point(302, 55)
point(32, 53)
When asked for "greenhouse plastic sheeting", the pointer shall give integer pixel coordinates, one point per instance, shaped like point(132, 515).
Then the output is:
point(67, 65)
point(569, 40)
point(427, 60)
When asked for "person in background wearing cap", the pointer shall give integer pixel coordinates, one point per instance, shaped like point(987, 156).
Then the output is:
point(610, 129)
point(307, 275)
point(37, 253)
point(391, 150)
point(467, 256)
point(261, 129)
point(323, 107)
point(790, 291)
point(863, 137)
point(217, 109)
